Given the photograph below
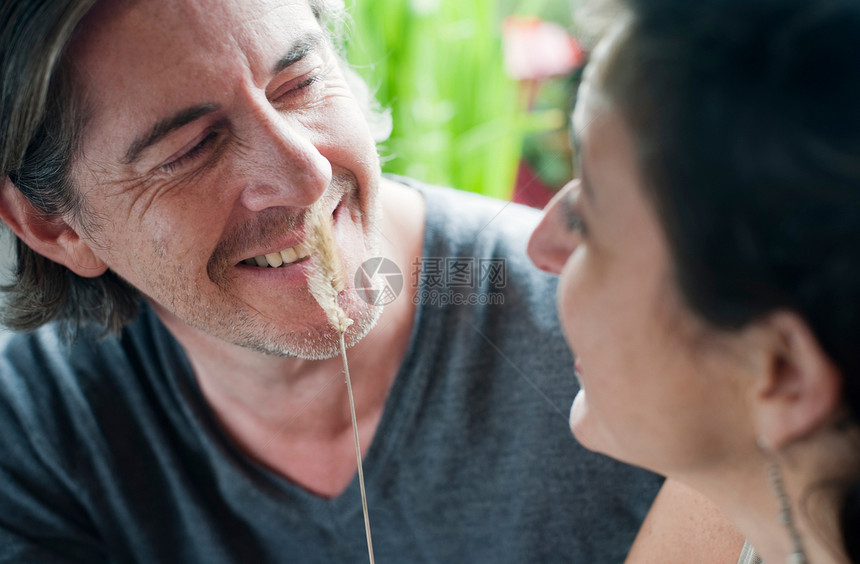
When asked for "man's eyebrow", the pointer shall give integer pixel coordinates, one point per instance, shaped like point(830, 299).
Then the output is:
point(161, 129)
point(300, 49)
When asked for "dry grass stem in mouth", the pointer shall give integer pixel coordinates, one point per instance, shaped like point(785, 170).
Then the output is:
point(325, 283)
point(326, 278)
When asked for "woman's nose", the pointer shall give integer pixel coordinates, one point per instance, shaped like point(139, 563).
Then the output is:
point(552, 243)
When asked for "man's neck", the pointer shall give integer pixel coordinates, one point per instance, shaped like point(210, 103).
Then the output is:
point(291, 414)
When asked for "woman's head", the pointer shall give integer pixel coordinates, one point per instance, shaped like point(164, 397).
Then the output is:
point(720, 264)
point(747, 130)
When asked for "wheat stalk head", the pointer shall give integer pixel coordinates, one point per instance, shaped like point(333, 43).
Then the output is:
point(326, 278)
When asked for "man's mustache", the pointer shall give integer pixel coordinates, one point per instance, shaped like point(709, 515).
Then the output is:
point(272, 224)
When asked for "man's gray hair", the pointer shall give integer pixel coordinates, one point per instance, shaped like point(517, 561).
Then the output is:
point(41, 119)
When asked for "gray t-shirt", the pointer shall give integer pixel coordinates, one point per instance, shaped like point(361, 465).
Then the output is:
point(109, 451)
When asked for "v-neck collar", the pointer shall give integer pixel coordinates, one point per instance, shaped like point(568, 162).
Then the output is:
point(250, 479)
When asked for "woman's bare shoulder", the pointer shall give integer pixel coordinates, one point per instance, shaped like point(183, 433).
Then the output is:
point(685, 526)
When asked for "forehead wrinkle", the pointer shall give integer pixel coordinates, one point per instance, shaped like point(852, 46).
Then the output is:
point(279, 30)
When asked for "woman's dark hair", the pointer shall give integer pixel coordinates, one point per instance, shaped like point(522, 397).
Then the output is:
point(41, 119)
point(746, 120)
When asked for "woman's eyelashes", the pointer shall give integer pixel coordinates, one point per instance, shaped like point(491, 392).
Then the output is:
point(571, 214)
point(575, 223)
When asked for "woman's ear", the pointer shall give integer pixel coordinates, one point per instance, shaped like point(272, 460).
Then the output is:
point(798, 387)
point(51, 237)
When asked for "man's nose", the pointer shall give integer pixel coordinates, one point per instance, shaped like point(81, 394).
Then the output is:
point(551, 243)
point(284, 167)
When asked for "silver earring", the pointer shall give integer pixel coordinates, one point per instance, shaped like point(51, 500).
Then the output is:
point(786, 517)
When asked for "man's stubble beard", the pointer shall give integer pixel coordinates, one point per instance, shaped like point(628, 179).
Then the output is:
point(324, 343)
point(250, 331)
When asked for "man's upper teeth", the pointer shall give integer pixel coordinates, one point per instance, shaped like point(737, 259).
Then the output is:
point(287, 256)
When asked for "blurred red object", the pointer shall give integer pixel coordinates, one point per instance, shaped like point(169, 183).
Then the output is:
point(535, 50)
point(529, 189)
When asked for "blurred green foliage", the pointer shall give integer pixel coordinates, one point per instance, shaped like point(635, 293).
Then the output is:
point(438, 66)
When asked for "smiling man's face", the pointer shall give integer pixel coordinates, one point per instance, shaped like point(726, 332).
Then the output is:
point(213, 125)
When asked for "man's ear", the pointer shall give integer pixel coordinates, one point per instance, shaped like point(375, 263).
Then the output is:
point(798, 388)
point(53, 238)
